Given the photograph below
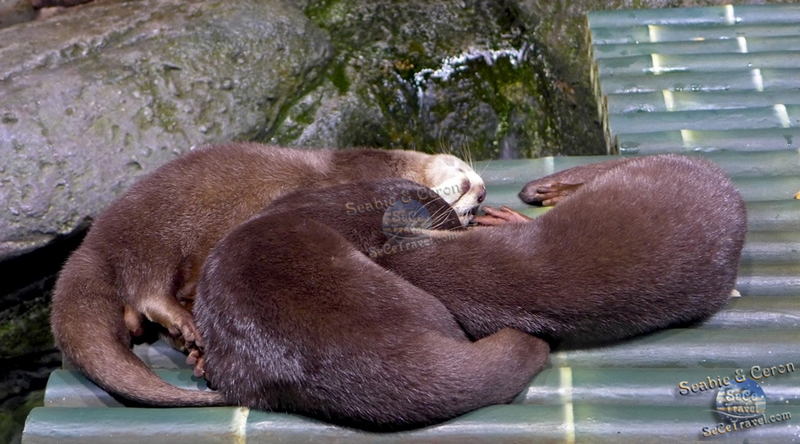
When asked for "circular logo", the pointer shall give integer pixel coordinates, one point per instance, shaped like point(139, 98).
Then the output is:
point(741, 401)
point(406, 222)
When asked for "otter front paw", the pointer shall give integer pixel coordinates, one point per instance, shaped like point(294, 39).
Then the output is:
point(185, 327)
point(502, 216)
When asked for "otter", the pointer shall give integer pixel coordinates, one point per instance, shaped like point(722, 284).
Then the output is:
point(141, 258)
point(634, 245)
point(297, 318)
point(631, 245)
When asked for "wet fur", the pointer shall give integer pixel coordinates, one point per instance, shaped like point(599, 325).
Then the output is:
point(142, 256)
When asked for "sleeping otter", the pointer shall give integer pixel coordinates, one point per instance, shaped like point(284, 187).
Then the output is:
point(298, 319)
point(641, 245)
point(142, 256)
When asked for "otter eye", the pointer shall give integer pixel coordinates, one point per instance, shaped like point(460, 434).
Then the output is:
point(465, 186)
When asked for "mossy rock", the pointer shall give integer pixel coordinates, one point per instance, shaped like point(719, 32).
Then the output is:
point(466, 77)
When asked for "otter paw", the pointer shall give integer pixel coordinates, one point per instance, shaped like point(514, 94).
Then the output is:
point(134, 321)
point(186, 328)
point(502, 216)
point(547, 194)
point(178, 321)
point(196, 359)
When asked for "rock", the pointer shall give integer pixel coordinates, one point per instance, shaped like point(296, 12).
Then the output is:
point(14, 411)
point(468, 76)
point(96, 96)
point(57, 3)
point(15, 11)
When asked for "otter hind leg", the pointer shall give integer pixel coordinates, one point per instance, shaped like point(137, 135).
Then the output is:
point(450, 376)
point(133, 321)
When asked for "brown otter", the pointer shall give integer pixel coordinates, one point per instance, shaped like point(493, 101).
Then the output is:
point(638, 244)
point(297, 318)
point(643, 244)
point(142, 255)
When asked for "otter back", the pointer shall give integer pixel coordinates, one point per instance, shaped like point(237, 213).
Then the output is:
point(297, 319)
point(646, 244)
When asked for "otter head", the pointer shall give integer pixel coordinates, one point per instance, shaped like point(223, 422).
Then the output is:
point(457, 183)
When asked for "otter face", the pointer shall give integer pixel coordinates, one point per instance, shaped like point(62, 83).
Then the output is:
point(457, 183)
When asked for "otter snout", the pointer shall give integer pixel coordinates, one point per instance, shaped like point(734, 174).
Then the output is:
point(458, 184)
point(473, 194)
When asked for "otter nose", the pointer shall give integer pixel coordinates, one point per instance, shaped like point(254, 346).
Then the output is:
point(482, 195)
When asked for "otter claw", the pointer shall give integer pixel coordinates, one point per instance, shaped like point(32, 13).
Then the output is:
point(191, 336)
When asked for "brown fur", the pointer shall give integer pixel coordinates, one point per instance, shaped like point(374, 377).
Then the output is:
point(552, 189)
point(636, 245)
point(146, 249)
point(297, 319)
point(648, 243)
point(333, 207)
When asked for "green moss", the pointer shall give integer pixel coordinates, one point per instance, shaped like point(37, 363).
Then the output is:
point(12, 418)
point(416, 49)
point(338, 76)
point(392, 56)
point(326, 12)
point(25, 329)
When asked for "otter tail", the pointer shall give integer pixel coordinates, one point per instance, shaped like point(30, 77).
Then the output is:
point(88, 326)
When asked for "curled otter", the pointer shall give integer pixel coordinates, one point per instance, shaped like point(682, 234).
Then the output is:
point(315, 327)
point(297, 318)
point(634, 245)
point(141, 258)
point(638, 245)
